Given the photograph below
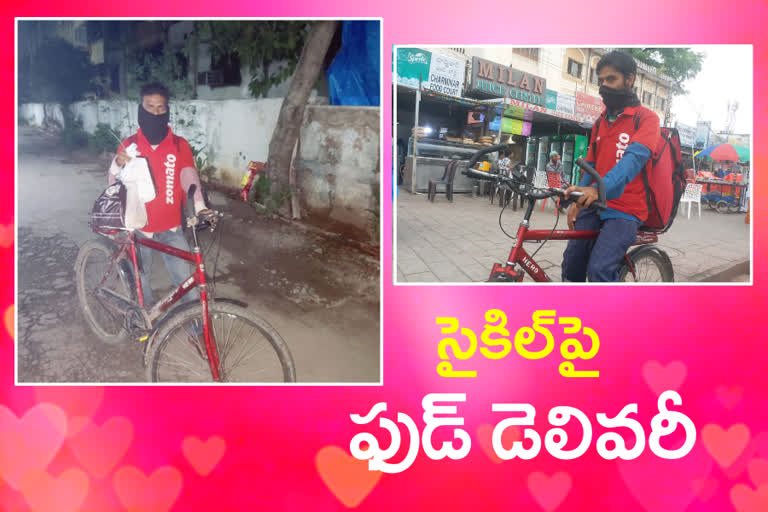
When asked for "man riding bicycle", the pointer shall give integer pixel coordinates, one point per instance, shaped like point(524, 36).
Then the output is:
point(172, 167)
point(621, 143)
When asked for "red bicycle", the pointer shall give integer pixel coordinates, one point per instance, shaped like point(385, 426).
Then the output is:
point(207, 340)
point(646, 262)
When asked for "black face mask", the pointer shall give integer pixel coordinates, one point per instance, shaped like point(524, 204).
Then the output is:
point(616, 99)
point(154, 127)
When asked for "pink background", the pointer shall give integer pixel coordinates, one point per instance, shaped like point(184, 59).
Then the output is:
point(272, 436)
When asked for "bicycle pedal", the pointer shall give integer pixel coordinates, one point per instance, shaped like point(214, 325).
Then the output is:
point(143, 336)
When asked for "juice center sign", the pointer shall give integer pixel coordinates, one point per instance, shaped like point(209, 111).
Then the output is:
point(499, 81)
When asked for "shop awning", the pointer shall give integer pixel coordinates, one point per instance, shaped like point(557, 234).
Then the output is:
point(427, 95)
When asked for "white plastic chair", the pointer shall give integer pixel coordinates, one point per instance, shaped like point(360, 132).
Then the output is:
point(692, 195)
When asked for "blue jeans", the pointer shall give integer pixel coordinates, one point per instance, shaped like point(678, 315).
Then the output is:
point(178, 269)
point(599, 259)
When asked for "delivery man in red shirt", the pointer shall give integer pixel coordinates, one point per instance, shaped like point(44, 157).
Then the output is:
point(173, 171)
point(620, 146)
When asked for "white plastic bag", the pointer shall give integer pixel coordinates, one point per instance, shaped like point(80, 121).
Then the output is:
point(139, 189)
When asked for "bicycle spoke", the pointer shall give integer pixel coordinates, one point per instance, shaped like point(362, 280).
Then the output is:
point(243, 360)
point(256, 350)
point(227, 344)
point(231, 343)
point(249, 337)
point(178, 363)
point(190, 347)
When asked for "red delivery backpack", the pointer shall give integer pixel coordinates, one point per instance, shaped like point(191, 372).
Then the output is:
point(664, 179)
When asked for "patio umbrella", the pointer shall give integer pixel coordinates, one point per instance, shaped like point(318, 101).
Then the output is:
point(725, 153)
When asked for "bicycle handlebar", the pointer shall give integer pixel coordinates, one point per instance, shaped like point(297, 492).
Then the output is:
point(480, 175)
point(489, 149)
point(471, 172)
point(600, 203)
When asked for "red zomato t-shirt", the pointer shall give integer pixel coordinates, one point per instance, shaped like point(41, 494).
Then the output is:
point(612, 140)
point(165, 164)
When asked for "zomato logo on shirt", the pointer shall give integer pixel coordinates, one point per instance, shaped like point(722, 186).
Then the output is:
point(621, 145)
point(170, 173)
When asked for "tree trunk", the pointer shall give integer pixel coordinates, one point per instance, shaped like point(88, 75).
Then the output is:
point(292, 111)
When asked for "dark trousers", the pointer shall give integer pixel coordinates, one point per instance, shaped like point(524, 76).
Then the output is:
point(599, 259)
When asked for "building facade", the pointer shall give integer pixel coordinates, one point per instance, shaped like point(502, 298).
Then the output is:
point(569, 71)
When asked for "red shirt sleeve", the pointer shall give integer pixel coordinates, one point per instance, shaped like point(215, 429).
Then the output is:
point(648, 130)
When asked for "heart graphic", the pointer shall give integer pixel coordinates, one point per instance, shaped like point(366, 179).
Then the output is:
point(660, 378)
point(99, 449)
point(725, 446)
point(10, 321)
point(203, 457)
point(508, 437)
point(65, 493)
point(745, 499)
point(81, 401)
point(139, 493)
point(31, 442)
point(668, 485)
point(549, 492)
point(757, 448)
point(6, 235)
point(705, 488)
point(729, 396)
point(347, 478)
point(76, 424)
point(758, 471)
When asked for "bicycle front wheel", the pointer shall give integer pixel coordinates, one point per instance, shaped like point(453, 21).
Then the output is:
point(99, 281)
point(250, 350)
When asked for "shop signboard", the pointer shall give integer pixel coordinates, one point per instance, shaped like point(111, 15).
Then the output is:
point(412, 63)
point(687, 134)
point(499, 81)
point(543, 110)
point(551, 101)
point(446, 75)
point(566, 104)
point(702, 134)
point(518, 112)
point(515, 126)
point(587, 108)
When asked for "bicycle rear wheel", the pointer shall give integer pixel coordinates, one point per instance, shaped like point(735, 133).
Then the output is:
point(104, 316)
point(250, 350)
point(650, 267)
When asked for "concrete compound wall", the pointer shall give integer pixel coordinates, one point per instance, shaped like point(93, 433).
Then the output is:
point(337, 164)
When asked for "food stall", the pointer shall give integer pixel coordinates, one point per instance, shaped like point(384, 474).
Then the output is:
point(444, 128)
point(431, 158)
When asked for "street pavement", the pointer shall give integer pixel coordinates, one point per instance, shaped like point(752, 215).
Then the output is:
point(459, 242)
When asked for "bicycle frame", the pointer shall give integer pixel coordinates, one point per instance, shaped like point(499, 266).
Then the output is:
point(197, 279)
point(518, 255)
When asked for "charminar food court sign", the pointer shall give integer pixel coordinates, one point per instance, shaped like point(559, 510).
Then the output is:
point(500, 81)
